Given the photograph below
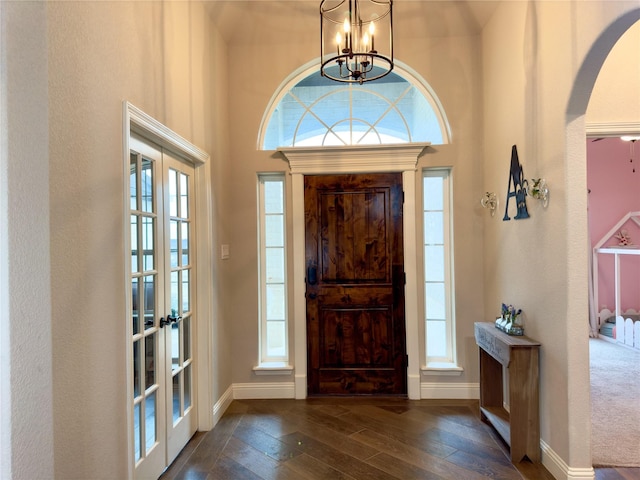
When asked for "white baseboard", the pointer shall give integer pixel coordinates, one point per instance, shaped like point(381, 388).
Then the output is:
point(558, 467)
point(222, 404)
point(413, 386)
point(264, 390)
point(300, 386)
point(464, 391)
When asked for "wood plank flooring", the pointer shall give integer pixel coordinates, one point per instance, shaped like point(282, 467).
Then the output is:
point(350, 438)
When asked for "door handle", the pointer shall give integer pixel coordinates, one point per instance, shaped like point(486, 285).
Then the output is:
point(169, 320)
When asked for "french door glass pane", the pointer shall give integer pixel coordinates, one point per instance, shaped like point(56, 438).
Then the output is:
point(135, 248)
point(186, 337)
point(173, 243)
point(173, 192)
point(187, 387)
point(175, 345)
point(148, 299)
point(148, 225)
point(185, 291)
point(135, 313)
point(137, 412)
point(184, 242)
point(146, 186)
point(150, 421)
point(174, 293)
point(133, 181)
point(176, 397)
point(136, 369)
point(184, 196)
point(150, 360)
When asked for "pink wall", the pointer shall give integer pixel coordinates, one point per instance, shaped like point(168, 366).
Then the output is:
point(614, 192)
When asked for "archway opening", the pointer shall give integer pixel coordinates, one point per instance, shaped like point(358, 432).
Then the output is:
point(576, 136)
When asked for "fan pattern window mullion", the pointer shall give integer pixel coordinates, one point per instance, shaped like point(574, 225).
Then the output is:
point(317, 112)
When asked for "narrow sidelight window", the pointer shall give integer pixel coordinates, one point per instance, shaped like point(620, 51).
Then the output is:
point(438, 267)
point(272, 269)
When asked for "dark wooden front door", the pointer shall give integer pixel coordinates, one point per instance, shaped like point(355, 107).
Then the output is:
point(355, 284)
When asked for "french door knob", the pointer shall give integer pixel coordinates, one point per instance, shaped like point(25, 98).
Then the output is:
point(170, 319)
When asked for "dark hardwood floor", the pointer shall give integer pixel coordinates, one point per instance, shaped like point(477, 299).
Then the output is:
point(353, 438)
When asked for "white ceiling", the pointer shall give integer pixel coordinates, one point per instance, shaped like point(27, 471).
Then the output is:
point(269, 21)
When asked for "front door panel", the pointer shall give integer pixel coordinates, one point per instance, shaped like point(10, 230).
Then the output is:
point(355, 284)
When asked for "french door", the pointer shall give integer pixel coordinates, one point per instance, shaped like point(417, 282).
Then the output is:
point(162, 284)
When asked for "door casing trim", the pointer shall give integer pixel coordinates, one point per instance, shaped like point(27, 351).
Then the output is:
point(355, 159)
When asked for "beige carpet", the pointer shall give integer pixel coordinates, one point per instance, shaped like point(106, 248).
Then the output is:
point(615, 404)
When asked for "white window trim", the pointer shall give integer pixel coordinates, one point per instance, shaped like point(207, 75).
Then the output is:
point(448, 366)
point(266, 365)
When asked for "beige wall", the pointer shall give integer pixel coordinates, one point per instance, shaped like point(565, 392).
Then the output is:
point(536, 88)
point(510, 86)
point(222, 355)
point(26, 422)
point(452, 67)
point(67, 67)
point(161, 57)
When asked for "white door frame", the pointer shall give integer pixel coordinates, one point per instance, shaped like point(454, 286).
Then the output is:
point(355, 159)
point(135, 120)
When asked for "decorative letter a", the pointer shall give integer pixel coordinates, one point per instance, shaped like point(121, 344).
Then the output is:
point(517, 177)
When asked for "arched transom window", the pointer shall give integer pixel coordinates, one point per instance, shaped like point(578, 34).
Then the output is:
point(311, 110)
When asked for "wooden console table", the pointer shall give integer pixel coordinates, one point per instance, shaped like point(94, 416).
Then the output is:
point(520, 428)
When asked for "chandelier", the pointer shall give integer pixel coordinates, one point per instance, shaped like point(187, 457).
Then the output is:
point(353, 33)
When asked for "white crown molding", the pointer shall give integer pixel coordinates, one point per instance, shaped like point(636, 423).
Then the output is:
point(612, 129)
point(353, 159)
